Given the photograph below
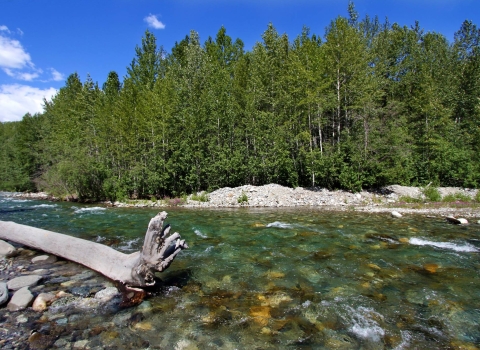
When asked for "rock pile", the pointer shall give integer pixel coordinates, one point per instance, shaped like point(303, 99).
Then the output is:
point(38, 290)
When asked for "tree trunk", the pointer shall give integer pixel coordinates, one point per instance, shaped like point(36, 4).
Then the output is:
point(130, 270)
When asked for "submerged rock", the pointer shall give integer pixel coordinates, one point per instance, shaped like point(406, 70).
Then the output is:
point(20, 300)
point(457, 221)
point(6, 249)
point(42, 301)
point(23, 281)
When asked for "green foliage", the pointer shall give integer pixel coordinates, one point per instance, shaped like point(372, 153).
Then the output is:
point(457, 196)
point(432, 194)
point(200, 197)
point(408, 199)
point(477, 197)
point(370, 105)
point(243, 198)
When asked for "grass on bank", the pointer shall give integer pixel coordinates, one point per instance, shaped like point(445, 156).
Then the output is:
point(433, 199)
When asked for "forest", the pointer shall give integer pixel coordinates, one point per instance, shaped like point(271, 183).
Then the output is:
point(367, 104)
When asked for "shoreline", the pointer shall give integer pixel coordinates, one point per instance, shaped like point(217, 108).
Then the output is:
point(383, 200)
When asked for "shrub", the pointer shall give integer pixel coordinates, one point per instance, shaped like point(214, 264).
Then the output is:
point(477, 196)
point(432, 194)
point(243, 198)
point(408, 199)
point(456, 197)
point(173, 202)
point(202, 197)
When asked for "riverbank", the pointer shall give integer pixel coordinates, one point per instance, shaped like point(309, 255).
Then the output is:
point(404, 199)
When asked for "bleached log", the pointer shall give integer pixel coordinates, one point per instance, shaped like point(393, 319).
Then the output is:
point(130, 270)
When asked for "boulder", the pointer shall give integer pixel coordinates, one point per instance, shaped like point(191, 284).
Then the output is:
point(457, 221)
point(47, 259)
point(396, 214)
point(3, 293)
point(23, 281)
point(20, 300)
point(6, 249)
point(42, 301)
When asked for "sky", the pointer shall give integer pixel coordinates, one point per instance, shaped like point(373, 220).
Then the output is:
point(42, 42)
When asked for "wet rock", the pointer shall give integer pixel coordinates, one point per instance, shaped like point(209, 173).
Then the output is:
point(6, 249)
point(42, 301)
point(20, 300)
point(432, 268)
point(260, 314)
point(107, 294)
point(81, 344)
point(23, 281)
point(459, 221)
point(44, 259)
point(3, 293)
point(396, 214)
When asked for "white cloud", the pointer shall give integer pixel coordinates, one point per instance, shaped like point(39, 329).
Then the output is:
point(153, 22)
point(12, 54)
point(4, 28)
point(16, 100)
point(56, 75)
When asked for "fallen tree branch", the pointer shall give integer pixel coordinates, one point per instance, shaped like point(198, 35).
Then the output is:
point(131, 270)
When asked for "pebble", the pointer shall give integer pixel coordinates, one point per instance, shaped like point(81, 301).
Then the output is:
point(23, 281)
point(20, 300)
point(42, 300)
point(46, 259)
point(3, 293)
point(6, 249)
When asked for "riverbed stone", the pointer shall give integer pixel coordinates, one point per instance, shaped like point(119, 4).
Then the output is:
point(396, 214)
point(42, 300)
point(107, 294)
point(6, 249)
point(3, 293)
point(44, 259)
point(20, 300)
point(23, 281)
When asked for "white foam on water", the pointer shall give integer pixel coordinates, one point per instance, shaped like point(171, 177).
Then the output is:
point(363, 325)
point(93, 210)
point(279, 224)
point(406, 337)
point(209, 249)
point(128, 245)
point(44, 206)
point(445, 245)
point(199, 233)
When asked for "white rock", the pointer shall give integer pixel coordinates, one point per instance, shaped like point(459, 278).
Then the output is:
point(459, 221)
point(6, 249)
point(20, 300)
point(23, 281)
point(3, 293)
point(44, 259)
point(396, 214)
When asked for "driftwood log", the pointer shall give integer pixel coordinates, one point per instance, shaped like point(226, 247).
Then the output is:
point(128, 270)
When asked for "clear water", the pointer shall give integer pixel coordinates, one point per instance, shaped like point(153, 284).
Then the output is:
point(286, 278)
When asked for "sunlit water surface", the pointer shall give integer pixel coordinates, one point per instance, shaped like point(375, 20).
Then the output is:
point(287, 278)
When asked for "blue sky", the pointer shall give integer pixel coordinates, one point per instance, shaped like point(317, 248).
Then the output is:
point(44, 41)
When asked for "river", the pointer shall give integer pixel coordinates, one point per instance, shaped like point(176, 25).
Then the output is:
point(285, 278)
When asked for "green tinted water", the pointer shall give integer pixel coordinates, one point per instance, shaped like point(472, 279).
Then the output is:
point(298, 278)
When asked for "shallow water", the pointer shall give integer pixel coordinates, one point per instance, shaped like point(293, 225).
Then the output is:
point(285, 278)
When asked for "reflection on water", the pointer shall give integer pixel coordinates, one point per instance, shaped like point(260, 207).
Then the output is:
point(295, 278)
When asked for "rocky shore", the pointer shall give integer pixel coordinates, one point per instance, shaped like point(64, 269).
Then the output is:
point(40, 296)
point(386, 199)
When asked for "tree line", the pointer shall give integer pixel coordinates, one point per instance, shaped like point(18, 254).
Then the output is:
point(368, 104)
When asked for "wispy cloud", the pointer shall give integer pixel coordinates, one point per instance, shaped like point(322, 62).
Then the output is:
point(153, 22)
point(16, 100)
point(56, 75)
point(16, 62)
point(12, 54)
